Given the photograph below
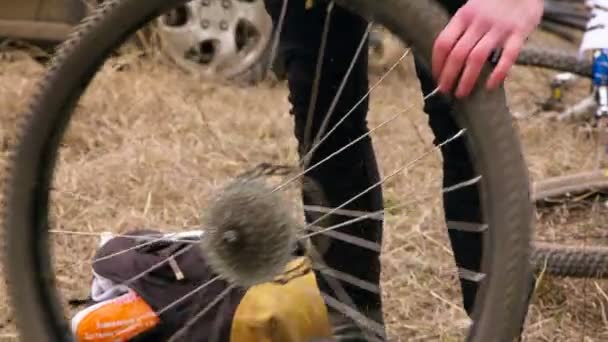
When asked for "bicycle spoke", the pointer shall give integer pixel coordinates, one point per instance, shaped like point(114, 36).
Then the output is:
point(346, 310)
point(353, 240)
point(341, 212)
point(152, 268)
point(361, 215)
point(201, 313)
point(316, 145)
point(341, 276)
point(451, 188)
point(365, 285)
point(345, 147)
point(188, 295)
point(391, 175)
point(335, 286)
point(165, 178)
point(277, 37)
point(379, 215)
point(127, 250)
point(356, 316)
point(336, 97)
point(312, 103)
point(135, 237)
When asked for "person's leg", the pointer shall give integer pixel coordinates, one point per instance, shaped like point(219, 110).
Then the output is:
point(462, 206)
point(354, 170)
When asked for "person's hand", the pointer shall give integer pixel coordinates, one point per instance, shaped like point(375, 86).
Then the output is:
point(479, 27)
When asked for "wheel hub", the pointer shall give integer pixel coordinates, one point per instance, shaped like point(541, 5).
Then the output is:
point(216, 38)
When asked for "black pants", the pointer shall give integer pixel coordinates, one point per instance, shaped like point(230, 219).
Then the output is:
point(355, 169)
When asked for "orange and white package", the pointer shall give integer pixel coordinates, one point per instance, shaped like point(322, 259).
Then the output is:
point(117, 319)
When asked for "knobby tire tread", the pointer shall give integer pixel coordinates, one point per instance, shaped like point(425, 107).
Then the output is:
point(555, 59)
point(563, 260)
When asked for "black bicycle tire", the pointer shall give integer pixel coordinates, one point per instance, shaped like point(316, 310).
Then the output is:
point(555, 59)
point(494, 143)
point(558, 30)
point(573, 184)
point(562, 260)
point(569, 261)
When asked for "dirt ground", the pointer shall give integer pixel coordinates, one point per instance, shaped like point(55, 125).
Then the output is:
point(149, 144)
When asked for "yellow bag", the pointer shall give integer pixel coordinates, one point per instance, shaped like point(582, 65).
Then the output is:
point(289, 309)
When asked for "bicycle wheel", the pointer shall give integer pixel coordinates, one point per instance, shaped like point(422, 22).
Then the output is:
point(561, 259)
point(491, 139)
point(554, 59)
point(545, 63)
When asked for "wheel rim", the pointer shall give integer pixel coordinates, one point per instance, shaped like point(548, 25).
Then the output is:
point(216, 39)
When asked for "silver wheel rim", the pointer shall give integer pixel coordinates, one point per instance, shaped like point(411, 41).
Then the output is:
point(216, 39)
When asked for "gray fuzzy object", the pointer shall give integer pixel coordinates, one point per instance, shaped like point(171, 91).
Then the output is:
point(250, 233)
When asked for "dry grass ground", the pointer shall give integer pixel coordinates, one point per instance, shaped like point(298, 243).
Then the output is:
point(148, 144)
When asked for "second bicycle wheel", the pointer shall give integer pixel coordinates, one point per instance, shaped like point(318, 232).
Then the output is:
point(33, 218)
